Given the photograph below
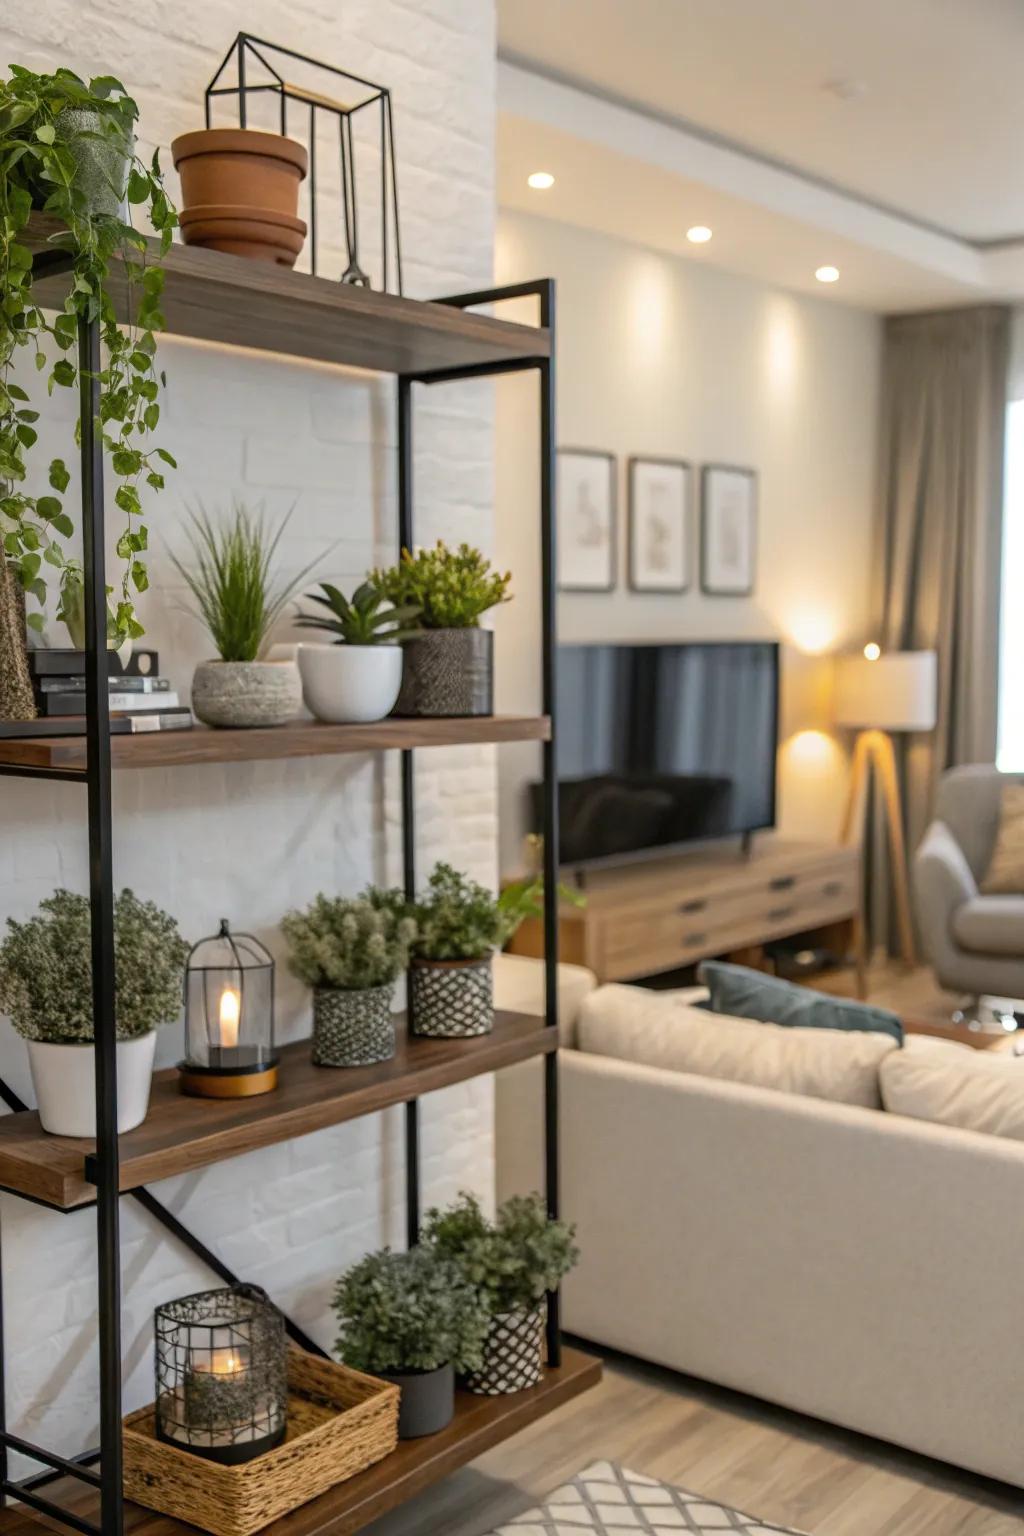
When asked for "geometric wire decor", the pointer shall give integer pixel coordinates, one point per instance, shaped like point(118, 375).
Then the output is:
point(221, 1373)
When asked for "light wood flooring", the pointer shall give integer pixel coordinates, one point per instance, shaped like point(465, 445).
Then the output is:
point(763, 1460)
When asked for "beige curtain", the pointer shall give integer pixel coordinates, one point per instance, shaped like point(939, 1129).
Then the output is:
point(940, 537)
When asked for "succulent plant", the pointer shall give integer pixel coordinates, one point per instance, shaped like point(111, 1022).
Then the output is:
point(450, 588)
point(365, 618)
point(350, 944)
point(409, 1312)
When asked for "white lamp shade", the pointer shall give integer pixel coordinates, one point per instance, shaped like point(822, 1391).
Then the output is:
point(896, 692)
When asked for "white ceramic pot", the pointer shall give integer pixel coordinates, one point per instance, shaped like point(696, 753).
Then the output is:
point(65, 1083)
point(349, 684)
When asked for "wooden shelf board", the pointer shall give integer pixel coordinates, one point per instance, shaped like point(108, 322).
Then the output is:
point(181, 1134)
point(479, 1424)
point(210, 296)
point(305, 738)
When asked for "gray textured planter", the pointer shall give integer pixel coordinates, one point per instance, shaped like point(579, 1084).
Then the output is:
point(427, 1403)
point(448, 672)
point(236, 694)
point(511, 1354)
point(353, 1029)
point(102, 162)
point(452, 999)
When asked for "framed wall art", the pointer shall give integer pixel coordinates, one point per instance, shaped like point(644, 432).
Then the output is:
point(728, 530)
point(586, 520)
point(660, 536)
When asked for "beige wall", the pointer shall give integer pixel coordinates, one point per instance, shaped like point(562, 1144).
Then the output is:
point(665, 356)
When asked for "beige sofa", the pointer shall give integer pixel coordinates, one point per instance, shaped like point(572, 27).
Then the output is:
point(845, 1262)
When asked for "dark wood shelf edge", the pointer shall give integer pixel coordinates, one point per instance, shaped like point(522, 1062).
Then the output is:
point(53, 1171)
point(480, 1424)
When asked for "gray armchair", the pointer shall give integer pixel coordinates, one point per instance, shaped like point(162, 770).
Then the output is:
point(974, 943)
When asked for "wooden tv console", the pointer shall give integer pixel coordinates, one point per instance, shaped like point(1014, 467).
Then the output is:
point(640, 919)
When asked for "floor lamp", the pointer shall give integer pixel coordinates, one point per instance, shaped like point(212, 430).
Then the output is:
point(878, 694)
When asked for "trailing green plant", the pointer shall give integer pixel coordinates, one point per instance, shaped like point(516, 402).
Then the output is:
point(350, 944)
point(46, 969)
point(451, 588)
point(231, 579)
point(409, 1312)
point(513, 1261)
point(365, 618)
point(67, 150)
point(457, 919)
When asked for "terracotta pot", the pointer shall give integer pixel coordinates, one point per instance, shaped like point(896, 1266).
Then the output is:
point(254, 232)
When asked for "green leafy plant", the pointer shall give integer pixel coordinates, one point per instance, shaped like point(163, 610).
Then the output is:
point(67, 150)
point(451, 588)
point(46, 969)
point(231, 579)
point(409, 1312)
point(511, 1262)
point(457, 919)
point(365, 618)
point(350, 944)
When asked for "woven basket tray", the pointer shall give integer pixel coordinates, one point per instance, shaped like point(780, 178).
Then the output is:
point(339, 1423)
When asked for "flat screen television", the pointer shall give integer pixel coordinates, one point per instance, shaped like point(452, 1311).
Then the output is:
point(662, 745)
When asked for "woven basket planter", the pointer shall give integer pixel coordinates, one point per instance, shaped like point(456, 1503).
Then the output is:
point(448, 672)
point(339, 1423)
point(452, 999)
point(512, 1354)
point(353, 1029)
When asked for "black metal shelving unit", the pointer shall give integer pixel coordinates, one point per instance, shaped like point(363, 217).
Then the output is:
point(33, 1493)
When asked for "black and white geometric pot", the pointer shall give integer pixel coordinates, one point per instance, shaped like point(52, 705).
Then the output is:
point(452, 999)
point(512, 1354)
point(448, 672)
point(353, 1029)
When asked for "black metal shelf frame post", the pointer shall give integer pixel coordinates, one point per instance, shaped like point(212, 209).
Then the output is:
point(107, 1481)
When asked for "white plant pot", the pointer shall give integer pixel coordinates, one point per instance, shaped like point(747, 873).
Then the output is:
point(350, 684)
point(65, 1083)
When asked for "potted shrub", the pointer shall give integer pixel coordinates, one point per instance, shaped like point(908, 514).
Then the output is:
point(67, 150)
point(46, 987)
point(415, 1320)
point(449, 664)
point(240, 192)
point(459, 925)
point(512, 1262)
point(356, 677)
point(238, 600)
point(351, 952)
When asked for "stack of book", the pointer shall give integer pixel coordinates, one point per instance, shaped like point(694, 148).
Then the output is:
point(139, 698)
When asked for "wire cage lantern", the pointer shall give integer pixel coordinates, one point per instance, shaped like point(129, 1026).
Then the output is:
point(229, 1017)
point(221, 1374)
point(259, 68)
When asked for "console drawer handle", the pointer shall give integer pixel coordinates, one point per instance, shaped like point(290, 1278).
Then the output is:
point(778, 914)
point(692, 939)
point(693, 906)
point(832, 888)
point(782, 883)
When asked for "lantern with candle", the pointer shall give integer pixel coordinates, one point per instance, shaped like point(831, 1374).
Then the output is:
point(229, 1018)
point(221, 1374)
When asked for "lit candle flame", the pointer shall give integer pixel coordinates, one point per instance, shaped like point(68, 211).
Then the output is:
point(230, 1010)
point(222, 1362)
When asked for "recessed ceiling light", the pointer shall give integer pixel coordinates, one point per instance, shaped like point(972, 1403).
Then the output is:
point(827, 274)
point(699, 234)
point(540, 180)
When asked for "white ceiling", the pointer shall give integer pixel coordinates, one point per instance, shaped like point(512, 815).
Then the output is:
point(934, 133)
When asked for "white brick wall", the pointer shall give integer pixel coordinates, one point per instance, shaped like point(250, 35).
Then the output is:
point(251, 840)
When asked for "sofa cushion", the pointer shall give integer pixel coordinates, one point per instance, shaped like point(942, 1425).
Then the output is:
point(991, 925)
point(747, 994)
point(1005, 873)
point(657, 1030)
point(952, 1084)
point(519, 988)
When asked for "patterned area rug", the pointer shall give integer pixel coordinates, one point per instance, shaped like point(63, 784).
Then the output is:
point(612, 1501)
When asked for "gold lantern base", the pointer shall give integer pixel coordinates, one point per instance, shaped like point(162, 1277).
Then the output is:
point(202, 1084)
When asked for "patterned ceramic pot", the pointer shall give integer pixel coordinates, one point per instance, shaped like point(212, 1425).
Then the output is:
point(448, 672)
point(512, 1354)
point(452, 999)
point(100, 158)
point(353, 1029)
point(237, 694)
